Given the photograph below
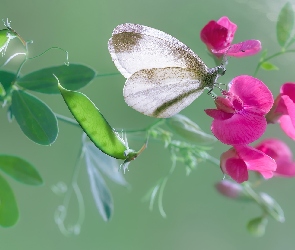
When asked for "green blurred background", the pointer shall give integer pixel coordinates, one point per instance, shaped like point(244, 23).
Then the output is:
point(198, 218)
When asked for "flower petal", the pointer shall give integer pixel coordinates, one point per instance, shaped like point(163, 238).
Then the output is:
point(278, 109)
point(281, 153)
point(279, 106)
point(245, 48)
point(256, 160)
point(224, 104)
point(267, 174)
point(215, 36)
point(285, 169)
point(231, 153)
point(218, 114)
point(232, 27)
point(242, 49)
point(237, 170)
point(287, 126)
point(276, 149)
point(241, 128)
point(253, 92)
point(288, 89)
point(290, 106)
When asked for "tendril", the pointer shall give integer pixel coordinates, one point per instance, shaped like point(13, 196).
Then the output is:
point(61, 212)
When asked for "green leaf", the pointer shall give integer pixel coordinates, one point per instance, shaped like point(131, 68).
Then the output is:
point(189, 130)
point(292, 40)
point(100, 191)
point(20, 170)
point(6, 80)
point(257, 226)
point(8, 205)
point(285, 24)
point(94, 124)
point(106, 164)
point(34, 117)
point(272, 207)
point(268, 66)
point(10, 116)
point(73, 77)
point(2, 90)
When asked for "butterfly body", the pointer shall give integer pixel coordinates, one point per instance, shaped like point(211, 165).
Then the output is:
point(163, 75)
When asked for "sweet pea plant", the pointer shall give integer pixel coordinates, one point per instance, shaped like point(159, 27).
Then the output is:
point(243, 110)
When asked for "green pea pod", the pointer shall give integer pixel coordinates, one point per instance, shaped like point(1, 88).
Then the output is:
point(96, 127)
point(6, 35)
point(3, 37)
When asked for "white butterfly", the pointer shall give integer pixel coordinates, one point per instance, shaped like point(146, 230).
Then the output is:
point(163, 75)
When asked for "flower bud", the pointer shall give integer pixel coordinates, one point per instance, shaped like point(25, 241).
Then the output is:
point(257, 226)
point(229, 189)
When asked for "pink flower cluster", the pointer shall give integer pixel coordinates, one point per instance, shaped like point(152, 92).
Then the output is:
point(239, 120)
point(239, 117)
point(244, 110)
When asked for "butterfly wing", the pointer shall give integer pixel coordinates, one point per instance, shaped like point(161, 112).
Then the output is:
point(134, 47)
point(162, 92)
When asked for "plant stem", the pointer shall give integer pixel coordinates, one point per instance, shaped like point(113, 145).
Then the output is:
point(153, 125)
point(67, 120)
point(270, 57)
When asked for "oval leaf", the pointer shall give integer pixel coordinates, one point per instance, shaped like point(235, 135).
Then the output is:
point(285, 24)
point(73, 77)
point(100, 192)
point(106, 164)
point(20, 170)
point(268, 66)
point(6, 80)
point(94, 124)
point(8, 205)
point(2, 91)
point(34, 117)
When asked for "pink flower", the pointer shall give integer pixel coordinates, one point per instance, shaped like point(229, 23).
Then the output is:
point(229, 189)
point(281, 153)
point(219, 35)
point(239, 117)
point(283, 110)
point(238, 160)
